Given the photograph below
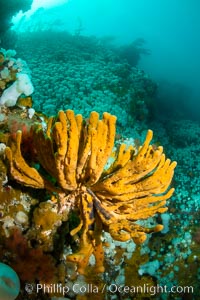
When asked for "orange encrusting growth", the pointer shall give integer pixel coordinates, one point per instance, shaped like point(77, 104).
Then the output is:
point(74, 153)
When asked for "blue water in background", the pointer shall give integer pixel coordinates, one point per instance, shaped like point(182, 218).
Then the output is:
point(169, 58)
point(170, 30)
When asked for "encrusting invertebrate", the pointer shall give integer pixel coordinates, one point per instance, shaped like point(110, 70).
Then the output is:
point(75, 152)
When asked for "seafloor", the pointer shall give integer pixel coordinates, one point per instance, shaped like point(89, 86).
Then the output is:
point(85, 74)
